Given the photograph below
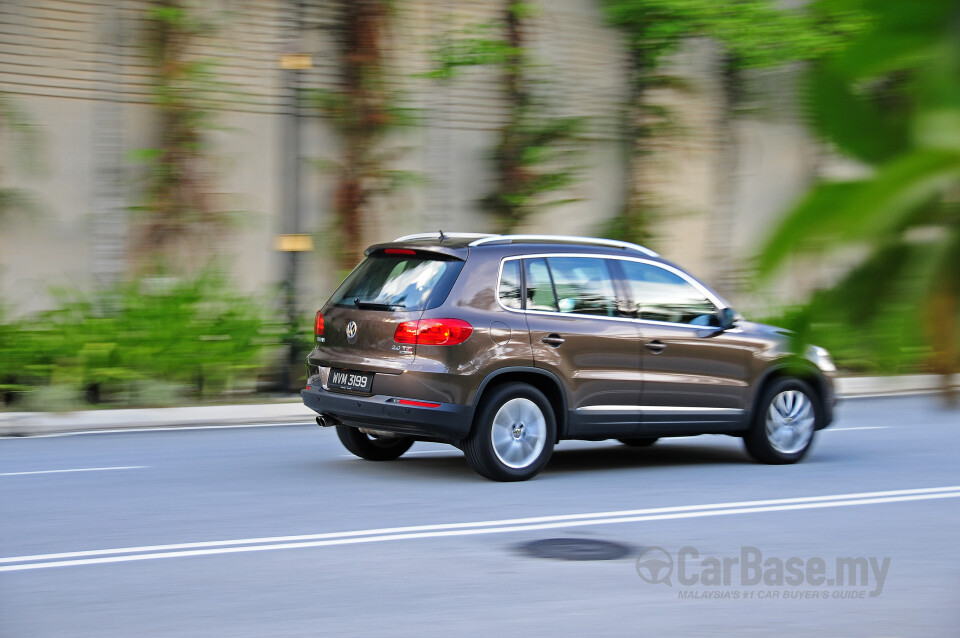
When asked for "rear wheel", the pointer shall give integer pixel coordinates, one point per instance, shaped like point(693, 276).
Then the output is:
point(787, 417)
point(373, 448)
point(513, 435)
point(640, 442)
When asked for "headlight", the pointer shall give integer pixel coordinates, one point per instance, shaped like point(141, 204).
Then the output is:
point(821, 357)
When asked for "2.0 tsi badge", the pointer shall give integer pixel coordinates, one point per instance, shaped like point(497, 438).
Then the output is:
point(352, 331)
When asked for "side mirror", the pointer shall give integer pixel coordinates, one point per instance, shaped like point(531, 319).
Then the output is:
point(727, 318)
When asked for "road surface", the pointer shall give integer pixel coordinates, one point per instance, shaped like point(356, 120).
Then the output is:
point(278, 531)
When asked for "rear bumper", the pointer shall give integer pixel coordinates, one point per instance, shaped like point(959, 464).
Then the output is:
point(449, 422)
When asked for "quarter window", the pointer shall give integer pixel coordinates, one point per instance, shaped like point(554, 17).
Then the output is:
point(583, 285)
point(661, 295)
point(510, 284)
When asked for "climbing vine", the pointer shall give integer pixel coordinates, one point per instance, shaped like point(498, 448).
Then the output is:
point(364, 110)
point(179, 209)
point(535, 157)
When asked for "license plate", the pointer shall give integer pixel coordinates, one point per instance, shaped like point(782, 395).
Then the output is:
point(350, 380)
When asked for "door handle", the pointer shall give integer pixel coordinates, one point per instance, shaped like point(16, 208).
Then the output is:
point(553, 340)
point(655, 346)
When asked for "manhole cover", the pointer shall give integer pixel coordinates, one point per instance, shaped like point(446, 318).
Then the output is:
point(575, 549)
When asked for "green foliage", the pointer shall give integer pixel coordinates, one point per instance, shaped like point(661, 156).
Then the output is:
point(871, 322)
point(535, 158)
point(893, 100)
point(178, 208)
point(478, 45)
point(536, 154)
point(364, 111)
point(756, 33)
point(117, 345)
point(752, 34)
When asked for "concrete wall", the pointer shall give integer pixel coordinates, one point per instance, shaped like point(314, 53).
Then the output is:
point(77, 68)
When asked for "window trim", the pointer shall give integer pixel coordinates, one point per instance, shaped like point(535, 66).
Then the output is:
point(708, 294)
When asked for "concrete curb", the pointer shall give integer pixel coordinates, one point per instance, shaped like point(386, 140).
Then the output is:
point(41, 423)
point(905, 384)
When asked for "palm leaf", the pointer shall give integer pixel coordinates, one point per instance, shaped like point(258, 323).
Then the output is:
point(838, 213)
point(809, 224)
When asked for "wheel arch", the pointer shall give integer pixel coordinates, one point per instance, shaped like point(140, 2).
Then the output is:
point(542, 380)
point(796, 368)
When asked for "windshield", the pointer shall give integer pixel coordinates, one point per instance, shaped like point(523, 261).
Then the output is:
point(398, 282)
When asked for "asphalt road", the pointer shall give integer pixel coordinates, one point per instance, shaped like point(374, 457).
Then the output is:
point(277, 531)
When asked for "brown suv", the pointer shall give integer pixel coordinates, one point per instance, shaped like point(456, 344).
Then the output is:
point(505, 344)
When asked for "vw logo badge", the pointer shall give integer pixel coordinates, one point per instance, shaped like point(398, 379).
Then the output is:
point(352, 331)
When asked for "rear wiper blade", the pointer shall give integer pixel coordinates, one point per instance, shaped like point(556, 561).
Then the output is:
point(372, 305)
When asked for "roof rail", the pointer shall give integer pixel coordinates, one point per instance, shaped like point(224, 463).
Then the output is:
point(563, 239)
point(437, 234)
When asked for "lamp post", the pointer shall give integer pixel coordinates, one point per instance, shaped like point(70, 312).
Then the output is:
point(292, 242)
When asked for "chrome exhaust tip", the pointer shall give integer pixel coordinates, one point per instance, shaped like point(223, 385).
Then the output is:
point(326, 420)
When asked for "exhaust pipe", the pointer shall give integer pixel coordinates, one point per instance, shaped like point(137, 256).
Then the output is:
point(326, 420)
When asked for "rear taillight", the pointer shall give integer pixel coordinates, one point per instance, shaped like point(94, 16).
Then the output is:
point(318, 325)
point(433, 332)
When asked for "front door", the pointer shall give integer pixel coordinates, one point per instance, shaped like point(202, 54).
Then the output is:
point(693, 372)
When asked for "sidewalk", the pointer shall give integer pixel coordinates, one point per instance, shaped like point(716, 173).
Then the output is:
point(292, 411)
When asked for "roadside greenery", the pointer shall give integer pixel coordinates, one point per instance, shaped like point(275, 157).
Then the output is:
point(752, 34)
point(157, 341)
point(890, 101)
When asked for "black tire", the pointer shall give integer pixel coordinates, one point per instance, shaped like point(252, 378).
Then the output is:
point(373, 448)
point(761, 441)
point(640, 442)
point(525, 440)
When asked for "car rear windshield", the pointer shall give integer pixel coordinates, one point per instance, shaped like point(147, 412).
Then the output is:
point(398, 282)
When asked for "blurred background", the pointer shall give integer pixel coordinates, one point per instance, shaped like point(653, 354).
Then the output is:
point(184, 182)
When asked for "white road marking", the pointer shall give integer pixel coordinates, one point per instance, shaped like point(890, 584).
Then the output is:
point(96, 557)
point(82, 469)
point(866, 427)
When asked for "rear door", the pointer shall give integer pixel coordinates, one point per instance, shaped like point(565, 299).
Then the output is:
point(391, 287)
point(577, 333)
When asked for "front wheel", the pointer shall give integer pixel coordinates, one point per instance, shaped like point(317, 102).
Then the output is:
point(513, 435)
point(373, 448)
point(787, 417)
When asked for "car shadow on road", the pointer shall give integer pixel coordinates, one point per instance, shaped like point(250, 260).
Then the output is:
point(599, 457)
point(448, 466)
point(619, 457)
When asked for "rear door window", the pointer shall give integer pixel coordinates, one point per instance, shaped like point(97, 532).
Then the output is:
point(583, 285)
point(398, 282)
